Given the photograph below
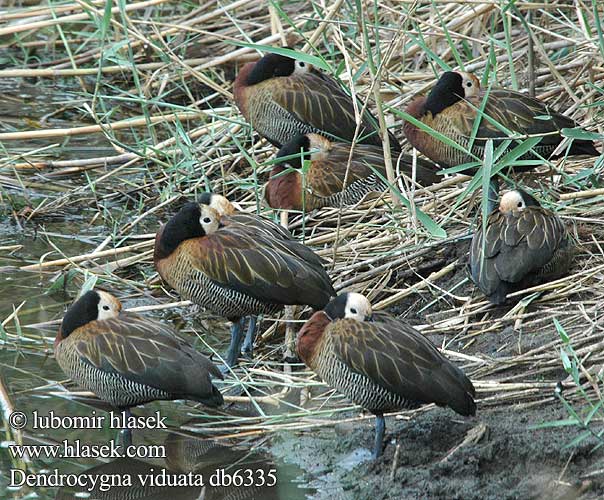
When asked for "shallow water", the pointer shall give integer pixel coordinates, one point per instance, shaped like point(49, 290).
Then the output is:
point(34, 381)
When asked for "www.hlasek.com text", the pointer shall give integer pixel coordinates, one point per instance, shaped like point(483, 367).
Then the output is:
point(77, 449)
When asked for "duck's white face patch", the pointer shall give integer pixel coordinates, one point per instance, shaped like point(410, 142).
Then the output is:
point(470, 84)
point(221, 205)
point(109, 307)
point(301, 68)
point(511, 201)
point(319, 147)
point(209, 219)
point(357, 307)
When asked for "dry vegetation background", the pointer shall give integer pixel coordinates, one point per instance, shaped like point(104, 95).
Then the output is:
point(153, 80)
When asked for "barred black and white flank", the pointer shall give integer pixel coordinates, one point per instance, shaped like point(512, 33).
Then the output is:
point(237, 269)
point(128, 360)
point(379, 362)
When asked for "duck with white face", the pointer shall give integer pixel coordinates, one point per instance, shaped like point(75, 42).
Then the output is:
point(380, 362)
point(282, 97)
point(452, 109)
point(311, 172)
point(522, 245)
point(230, 213)
point(235, 270)
point(128, 360)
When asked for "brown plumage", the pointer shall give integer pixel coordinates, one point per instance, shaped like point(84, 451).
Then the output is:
point(231, 214)
point(450, 109)
point(379, 362)
point(282, 97)
point(235, 270)
point(329, 181)
point(128, 360)
point(525, 245)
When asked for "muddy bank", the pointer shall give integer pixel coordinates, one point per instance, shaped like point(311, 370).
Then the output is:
point(508, 462)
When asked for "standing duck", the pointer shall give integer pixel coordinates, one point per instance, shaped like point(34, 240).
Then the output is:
point(379, 362)
point(282, 97)
point(234, 270)
point(128, 360)
point(523, 245)
point(229, 213)
point(329, 181)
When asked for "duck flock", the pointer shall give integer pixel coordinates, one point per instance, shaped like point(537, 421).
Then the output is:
point(238, 265)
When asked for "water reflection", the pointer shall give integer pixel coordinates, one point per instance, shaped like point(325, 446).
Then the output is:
point(127, 479)
point(255, 472)
point(27, 367)
point(195, 468)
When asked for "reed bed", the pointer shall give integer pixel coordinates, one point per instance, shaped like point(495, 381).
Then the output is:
point(151, 81)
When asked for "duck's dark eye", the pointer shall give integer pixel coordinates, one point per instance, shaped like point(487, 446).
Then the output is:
point(106, 308)
point(353, 310)
point(519, 204)
point(207, 220)
point(302, 64)
point(468, 84)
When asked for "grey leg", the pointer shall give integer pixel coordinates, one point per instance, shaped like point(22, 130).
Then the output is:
point(126, 433)
point(380, 427)
point(234, 348)
point(248, 344)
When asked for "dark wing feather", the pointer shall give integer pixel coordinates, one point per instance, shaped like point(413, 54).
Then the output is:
point(425, 170)
point(268, 269)
point(520, 112)
point(514, 111)
point(399, 358)
point(262, 224)
point(326, 176)
point(149, 353)
point(517, 247)
point(319, 101)
point(530, 242)
point(274, 231)
point(481, 262)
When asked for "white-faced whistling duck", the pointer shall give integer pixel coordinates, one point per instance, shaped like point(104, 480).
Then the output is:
point(282, 97)
point(380, 362)
point(451, 109)
point(234, 270)
point(525, 245)
point(128, 360)
point(329, 180)
point(229, 213)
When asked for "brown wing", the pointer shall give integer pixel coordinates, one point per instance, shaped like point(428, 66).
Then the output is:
point(149, 353)
point(398, 358)
point(326, 176)
point(262, 224)
point(271, 270)
point(516, 112)
point(319, 101)
point(274, 232)
point(515, 246)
